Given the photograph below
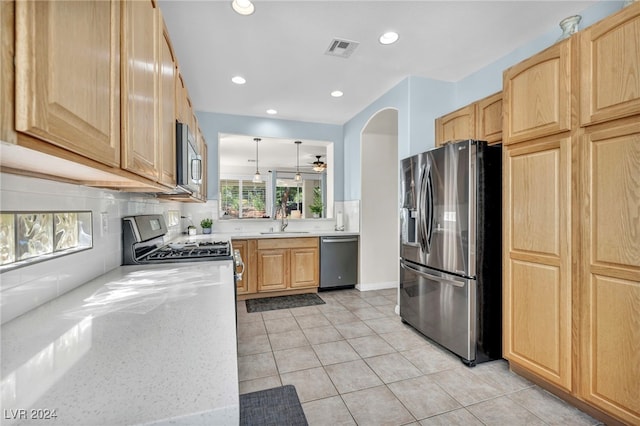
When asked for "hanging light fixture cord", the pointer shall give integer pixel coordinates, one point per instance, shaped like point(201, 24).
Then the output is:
point(298, 176)
point(257, 178)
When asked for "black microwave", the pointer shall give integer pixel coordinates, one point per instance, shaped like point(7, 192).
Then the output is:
point(188, 159)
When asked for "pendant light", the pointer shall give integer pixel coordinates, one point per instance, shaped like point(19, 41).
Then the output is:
point(257, 178)
point(298, 175)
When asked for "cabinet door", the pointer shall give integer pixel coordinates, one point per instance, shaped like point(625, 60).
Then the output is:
point(610, 67)
point(610, 287)
point(460, 124)
point(537, 95)
point(304, 267)
point(68, 75)
point(273, 269)
point(537, 264)
point(242, 286)
point(167, 109)
point(489, 118)
point(139, 86)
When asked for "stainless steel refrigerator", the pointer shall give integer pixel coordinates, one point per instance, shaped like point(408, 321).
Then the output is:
point(450, 248)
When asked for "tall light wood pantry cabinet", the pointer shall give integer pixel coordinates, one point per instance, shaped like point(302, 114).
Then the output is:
point(609, 286)
point(571, 194)
point(537, 215)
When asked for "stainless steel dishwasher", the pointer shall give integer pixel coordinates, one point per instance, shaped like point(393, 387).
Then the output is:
point(338, 261)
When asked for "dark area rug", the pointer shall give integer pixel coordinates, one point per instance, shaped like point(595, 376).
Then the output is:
point(283, 302)
point(272, 407)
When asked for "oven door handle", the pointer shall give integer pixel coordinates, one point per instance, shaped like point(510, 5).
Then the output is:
point(238, 263)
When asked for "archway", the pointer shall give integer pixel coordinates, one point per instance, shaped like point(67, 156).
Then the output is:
point(379, 244)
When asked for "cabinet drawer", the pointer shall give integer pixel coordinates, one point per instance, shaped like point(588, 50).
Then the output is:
point(278, 243)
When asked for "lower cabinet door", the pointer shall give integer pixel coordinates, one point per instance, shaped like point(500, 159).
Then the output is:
point(610, 284)
point(304, 267)
point(537, 258)
point(273, 269)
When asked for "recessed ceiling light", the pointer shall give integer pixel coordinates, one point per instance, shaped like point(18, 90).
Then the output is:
point(243, 7)
point(238, 80)
point(272, 111)
point(336, 93)
point(389, 37)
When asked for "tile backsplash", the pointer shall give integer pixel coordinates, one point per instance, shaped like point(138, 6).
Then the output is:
point(25, 288)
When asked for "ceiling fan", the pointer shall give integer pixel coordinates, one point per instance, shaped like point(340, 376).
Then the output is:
point(319, 166)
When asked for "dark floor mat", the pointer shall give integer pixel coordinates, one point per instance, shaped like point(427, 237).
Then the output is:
point(283, 302)
point(272, 407)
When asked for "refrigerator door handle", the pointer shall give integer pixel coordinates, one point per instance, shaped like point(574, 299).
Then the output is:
point(432, 276)
point(422, 237)
point(426, 200)
point(429, 189)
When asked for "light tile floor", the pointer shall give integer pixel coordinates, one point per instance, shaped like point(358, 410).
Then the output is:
point(353, 362)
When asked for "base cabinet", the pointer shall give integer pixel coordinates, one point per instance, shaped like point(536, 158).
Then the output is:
point(242, 285)
point(287, 263)
point(278, 266)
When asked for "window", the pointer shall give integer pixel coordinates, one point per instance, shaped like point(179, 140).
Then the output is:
point(242, 198)
point(28, 237)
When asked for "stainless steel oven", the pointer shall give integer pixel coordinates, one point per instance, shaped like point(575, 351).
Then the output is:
point(143, 243)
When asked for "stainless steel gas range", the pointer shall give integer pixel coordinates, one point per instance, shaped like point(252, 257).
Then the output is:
point(143, 243)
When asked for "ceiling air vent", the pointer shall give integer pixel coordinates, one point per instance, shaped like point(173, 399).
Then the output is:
point(341, 48)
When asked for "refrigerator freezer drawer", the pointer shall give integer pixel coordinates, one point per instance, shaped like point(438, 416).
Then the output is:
point(440, 306)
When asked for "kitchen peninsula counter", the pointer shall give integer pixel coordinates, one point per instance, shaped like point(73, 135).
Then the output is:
point(140, 344)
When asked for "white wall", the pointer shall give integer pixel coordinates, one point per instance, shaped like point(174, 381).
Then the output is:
point(25, 288)
point(379, 213)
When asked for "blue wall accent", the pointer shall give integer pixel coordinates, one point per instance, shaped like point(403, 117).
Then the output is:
point(212, 124)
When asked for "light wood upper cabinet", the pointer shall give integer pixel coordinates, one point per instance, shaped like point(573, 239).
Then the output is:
point(537, 258)
point(610, 287)
point(67, 75)
point(481, 120)
point(459, 124)
point(489, 119)
point(167, 108)
point(608, 91)
point(537, 94)
point(140, 151)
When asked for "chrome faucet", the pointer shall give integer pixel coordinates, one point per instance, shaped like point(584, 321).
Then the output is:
point(284, 222)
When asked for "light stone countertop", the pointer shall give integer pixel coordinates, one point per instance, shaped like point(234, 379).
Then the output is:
point(287, 234)
point(141, 344)
point(251, 235)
